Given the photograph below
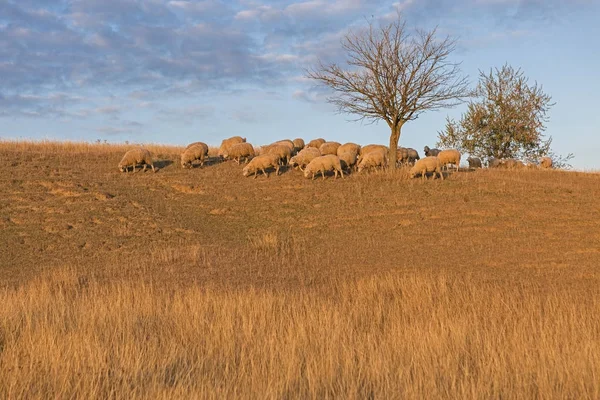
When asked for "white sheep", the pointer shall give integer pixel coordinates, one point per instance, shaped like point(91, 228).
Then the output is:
point(329, 148)
point(450, 156)
point(282, 151)
point(304, 157)
point(262, 163)
point(286, 142)
point(364, 150)
point(353, 147)
point(192, 153)
point(316, 143)
point(134, 157)
point(198, 144)
point(227, 143)
point(239, 151)
point(511, 163)
point(546, 162)
point(322, 164)
point(425, 165)
point(373, 159)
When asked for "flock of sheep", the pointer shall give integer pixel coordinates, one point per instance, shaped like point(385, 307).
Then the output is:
point(319, 156)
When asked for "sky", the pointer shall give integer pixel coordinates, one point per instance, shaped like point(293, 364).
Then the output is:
point(179, 71)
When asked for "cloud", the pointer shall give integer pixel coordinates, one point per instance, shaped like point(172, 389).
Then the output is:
point(148, 51)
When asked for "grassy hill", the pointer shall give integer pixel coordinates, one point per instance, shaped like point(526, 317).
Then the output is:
point(205, 283)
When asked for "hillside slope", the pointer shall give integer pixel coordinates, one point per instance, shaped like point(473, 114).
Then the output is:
point(68, 205)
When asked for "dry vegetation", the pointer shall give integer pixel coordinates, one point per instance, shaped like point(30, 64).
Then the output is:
point(202, 283)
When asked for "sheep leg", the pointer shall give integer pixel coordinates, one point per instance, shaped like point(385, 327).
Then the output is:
point(134, 168)
point(323, 173)
point(153, 170)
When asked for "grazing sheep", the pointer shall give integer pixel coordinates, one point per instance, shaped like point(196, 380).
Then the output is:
point(425, 165)
point(239, 151)
point(474, 162)
point(364, 150)
point(406, 155)
point(198, 144)
point(262, 163)
point(282, 151)
point(348, 159)
point(227, 143)
point(134, 157)
point(304, 157)
point(431, 152)
point(316, 143)
point(511, 163)
point(494, 162)
point(373, 159)
point(322, 164)
point(298, 144)
point(193, 153)
point(449, 157)
point(285, 142)
point(353, 147)
point(546, 162)
point(329, 148)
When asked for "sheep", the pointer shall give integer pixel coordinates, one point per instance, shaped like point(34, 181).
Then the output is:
point(494, 162)
point(425, 165)
point(227, 143)
point(198, 144)
point(298, 144)
point(134, 157)
point(282, 151)
point(304, 157)
point(288, 143)
point(371, 147)
point(316, 143)
point(348, 159)
point(511, 163)
point(431, 152)
point(474, 162)
point(239, 151)
point(329, 148)
point(364, 150)
point(192, 153)
point(546, 162)
point(373, 159)
point(261, 163)
point(353, 147)
point(406, 155)
point(449, 157)
point(324, 163)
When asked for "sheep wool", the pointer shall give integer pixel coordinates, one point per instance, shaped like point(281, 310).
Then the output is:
point(425, 165)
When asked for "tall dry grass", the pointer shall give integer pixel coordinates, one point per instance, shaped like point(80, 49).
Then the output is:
point(427, 335)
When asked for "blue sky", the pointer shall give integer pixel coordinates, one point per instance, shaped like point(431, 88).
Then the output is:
point(176, 71)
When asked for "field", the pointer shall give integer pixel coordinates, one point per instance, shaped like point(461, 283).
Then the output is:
point(204, 284)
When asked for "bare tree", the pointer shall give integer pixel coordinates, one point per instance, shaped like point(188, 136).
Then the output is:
point(393, 75)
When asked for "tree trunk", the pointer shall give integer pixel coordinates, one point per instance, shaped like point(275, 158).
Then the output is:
point(394, 138)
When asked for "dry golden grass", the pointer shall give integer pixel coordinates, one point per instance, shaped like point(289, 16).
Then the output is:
point(430, 335)
point(203, 284)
